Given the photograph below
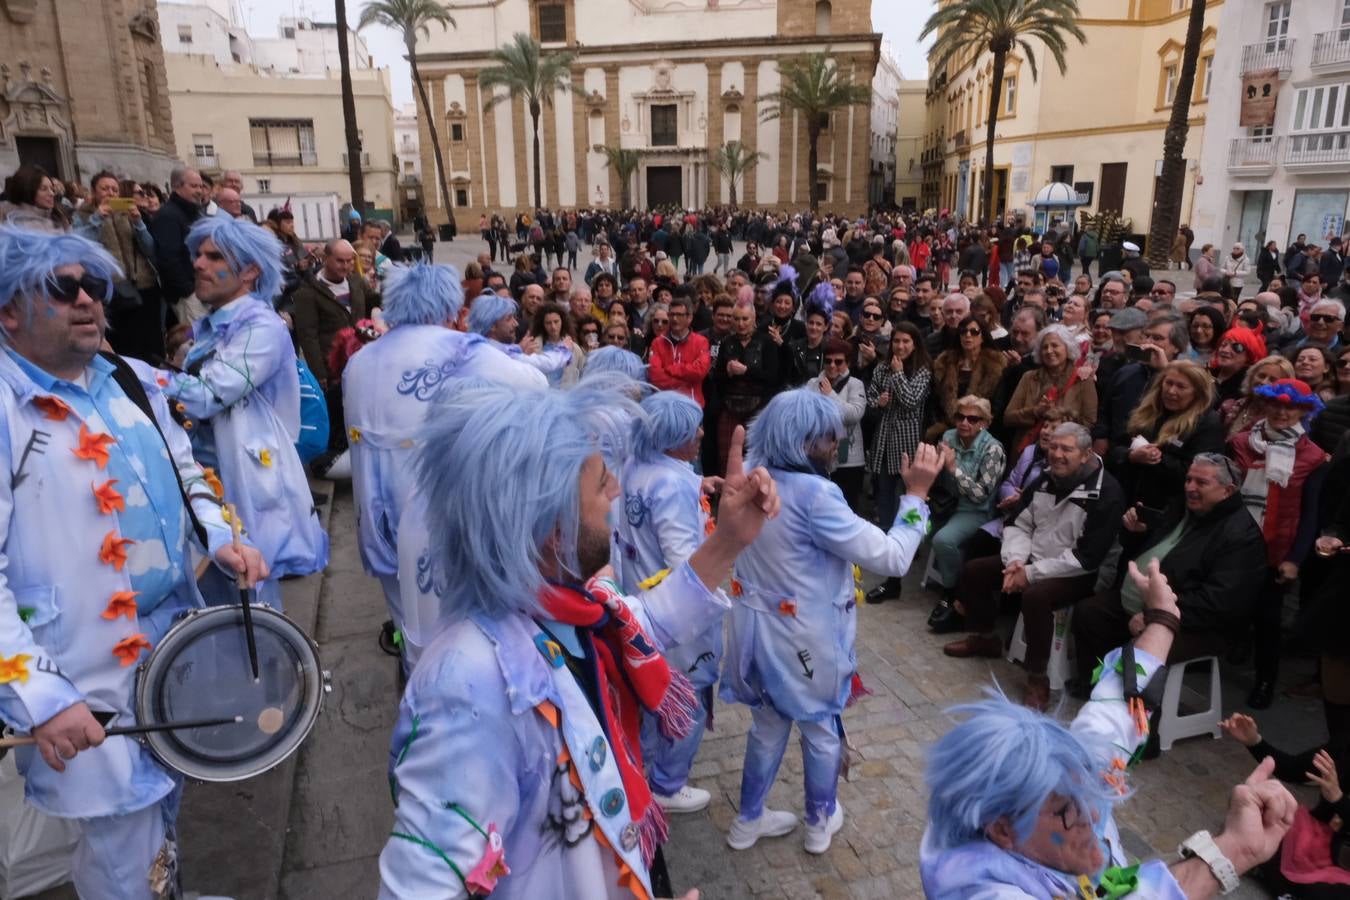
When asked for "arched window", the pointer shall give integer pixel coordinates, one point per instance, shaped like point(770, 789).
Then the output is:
point(824, 13)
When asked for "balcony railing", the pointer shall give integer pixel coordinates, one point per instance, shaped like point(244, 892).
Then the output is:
point(410, 179)
point(303, 158)
point(1277, 53)
point(1253, 156)
point(1331, 49)
point(962, 139)
point(206, 160)
point(1326, 151)
point(365, 159)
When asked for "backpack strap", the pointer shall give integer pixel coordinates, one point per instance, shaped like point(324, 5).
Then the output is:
point(130, 383)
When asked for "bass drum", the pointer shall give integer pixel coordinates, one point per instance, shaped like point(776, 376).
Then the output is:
point(200, 670)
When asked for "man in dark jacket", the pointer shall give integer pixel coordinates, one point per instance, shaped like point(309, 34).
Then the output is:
point(170, 228)
point(1213, 555)
point(1331, 265)
point(324, 305)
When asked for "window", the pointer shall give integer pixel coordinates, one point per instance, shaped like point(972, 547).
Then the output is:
point(204, 149)
point(461, 197)
point(288, 32)
point(1261, 134)
point(1169, 85)
point(264, 185)
point(283, 142)
point(456, 131)
point(1010, 95)
point(664, 130)
point(1061, 174)
point(1344, 34)
point(552, 23)
point(824, 17)
point(408, 166)
point(1207, 66)
point(1277, 25)
point(184, 34)
point(1321, 124)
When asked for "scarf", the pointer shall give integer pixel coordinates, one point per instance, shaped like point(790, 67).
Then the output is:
point(632, 676)
point(1277, 446)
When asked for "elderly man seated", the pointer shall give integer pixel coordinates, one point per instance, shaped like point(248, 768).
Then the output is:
point(1064, 525)
point(1211, 551)
point(1021, 806)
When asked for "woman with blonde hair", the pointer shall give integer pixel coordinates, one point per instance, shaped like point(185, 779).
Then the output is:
point(666, 271)
point(1172, 423)
point(1054, 382)
point(1240, 413)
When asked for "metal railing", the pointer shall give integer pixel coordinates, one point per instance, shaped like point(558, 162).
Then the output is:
point(365, 159)
point(962, 139)
point(1275, 53)
point(207, 160)
point(1331, 48)
point(1248, 153)
point(1330, 149)
point(303, 158)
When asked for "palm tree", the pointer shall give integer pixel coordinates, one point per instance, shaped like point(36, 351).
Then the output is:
point(412, 17)
point(813, 86)
point(971, 27)
point(1167, 208)
point(733, 161)
point(524, 72)
point(356, 178)
point(624, 163)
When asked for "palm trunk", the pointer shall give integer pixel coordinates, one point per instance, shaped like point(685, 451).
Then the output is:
point(534, 118)
point(731, 180)
point(432, 126)
point(356, 178)
point(813, 164)
point(995, 95)
point(1171, 183)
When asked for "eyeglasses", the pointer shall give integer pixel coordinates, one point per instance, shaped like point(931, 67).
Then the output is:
point(66, 288)
point(836, 361)
point(1323, 318)
point(1236, 347)
point(970, 420)
point(972, 332)
point(872, 315)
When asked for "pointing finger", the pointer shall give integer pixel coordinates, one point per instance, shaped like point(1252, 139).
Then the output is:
point(736, 454)
point(1262, 772)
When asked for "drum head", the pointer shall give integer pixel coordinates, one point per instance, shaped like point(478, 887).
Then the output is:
point(200, 670)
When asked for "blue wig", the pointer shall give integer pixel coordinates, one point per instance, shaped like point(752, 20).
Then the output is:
point(672, 420)
point(487, 310)
point(821, 300)
point(422, 294)
point(787, 282)
point(782, 435)
point(614, 359)
point(243, 244)
point(29, 258)
point(510, 485)
point(1005, 760)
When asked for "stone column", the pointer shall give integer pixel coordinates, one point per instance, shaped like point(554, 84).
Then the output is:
point(491, 181)
point(581, 142)
point(612, 117)
point(473, 163)
point(548, 150)
point(522, 133)
point(716, 125)
point(750, 129)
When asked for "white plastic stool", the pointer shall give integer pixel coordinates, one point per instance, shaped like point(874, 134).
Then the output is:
point(1060, 665)
point(1172, 726)
point(930, 571)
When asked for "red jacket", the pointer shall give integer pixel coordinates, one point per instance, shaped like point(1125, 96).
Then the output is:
point(1283, 504)
point(680, 366)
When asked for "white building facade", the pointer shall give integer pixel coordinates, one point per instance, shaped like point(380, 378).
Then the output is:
point(271, 108)
point(1282, 90)
point(885, 120)
point(669, 79)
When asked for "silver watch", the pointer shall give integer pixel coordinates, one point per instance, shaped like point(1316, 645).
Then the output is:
point(1201, 846)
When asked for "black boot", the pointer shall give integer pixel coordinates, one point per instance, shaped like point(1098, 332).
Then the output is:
point(884, 591)
point(944, 618)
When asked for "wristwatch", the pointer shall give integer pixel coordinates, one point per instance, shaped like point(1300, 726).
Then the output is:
point(1201, 846)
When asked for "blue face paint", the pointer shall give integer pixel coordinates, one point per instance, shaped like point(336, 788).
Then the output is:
point(222, 273)
point(1057, 839)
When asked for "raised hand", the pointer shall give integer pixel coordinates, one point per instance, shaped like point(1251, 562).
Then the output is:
point(749, 499)
point(1259, 814)
point(1325, 777)
point(920, 472)
point(1153, 587)
point(1241, 728)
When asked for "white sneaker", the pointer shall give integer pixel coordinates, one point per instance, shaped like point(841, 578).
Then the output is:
point(818, 835)
point(772, 823)
point(686, 800)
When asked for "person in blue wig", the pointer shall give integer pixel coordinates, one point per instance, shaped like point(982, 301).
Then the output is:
point(497, 318)
point(240, 389)
point(387, 388)
point(660, 519)
point(95, 481)
point(790, 654)
point(1021, 806)
point(614, 359)
point(515, 766)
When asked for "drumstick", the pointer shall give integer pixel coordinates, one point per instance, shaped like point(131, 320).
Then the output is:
point(236, 527)
point(28, 740)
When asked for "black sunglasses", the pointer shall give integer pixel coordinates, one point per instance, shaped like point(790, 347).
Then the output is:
point(973, 420)
point(1236, 347)
point(1323, 318)
point(66, 288)
point(973, 332)
point(836, 361)
point(871, 315)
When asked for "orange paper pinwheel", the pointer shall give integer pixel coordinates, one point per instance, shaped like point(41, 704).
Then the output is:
point(107, 498)
point(122, 603)
point(53, 408)
point(14, 668)
point(94, 446)
point(128, 650)
point(114, 550)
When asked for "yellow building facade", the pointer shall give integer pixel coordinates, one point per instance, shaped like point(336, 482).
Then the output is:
point(1099, 126)
point(909, 144)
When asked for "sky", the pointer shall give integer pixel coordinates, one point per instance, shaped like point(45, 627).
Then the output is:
point(899, 22)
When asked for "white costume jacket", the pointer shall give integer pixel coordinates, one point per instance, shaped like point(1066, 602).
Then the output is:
point(242, 391)
point(660, 520)
point(497, 745)
point(73, 486)
point(792, 631)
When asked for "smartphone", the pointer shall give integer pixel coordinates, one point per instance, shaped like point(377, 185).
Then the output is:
point(121, 204)
point(1136, 353)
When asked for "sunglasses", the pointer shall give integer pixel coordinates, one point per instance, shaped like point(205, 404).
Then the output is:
point(660, 321)
point(872, 315)
point(1236, 347)
point(1323, 318)
point(66, 288)
point(972, 332)
point(970, 420)
point(836, 361)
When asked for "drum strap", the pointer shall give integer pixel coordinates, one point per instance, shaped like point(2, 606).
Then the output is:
point(130, 383)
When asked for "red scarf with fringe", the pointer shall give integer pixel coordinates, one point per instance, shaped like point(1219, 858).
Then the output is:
point(632, 676)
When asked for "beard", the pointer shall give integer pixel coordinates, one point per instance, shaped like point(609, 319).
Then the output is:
point(592, 550)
